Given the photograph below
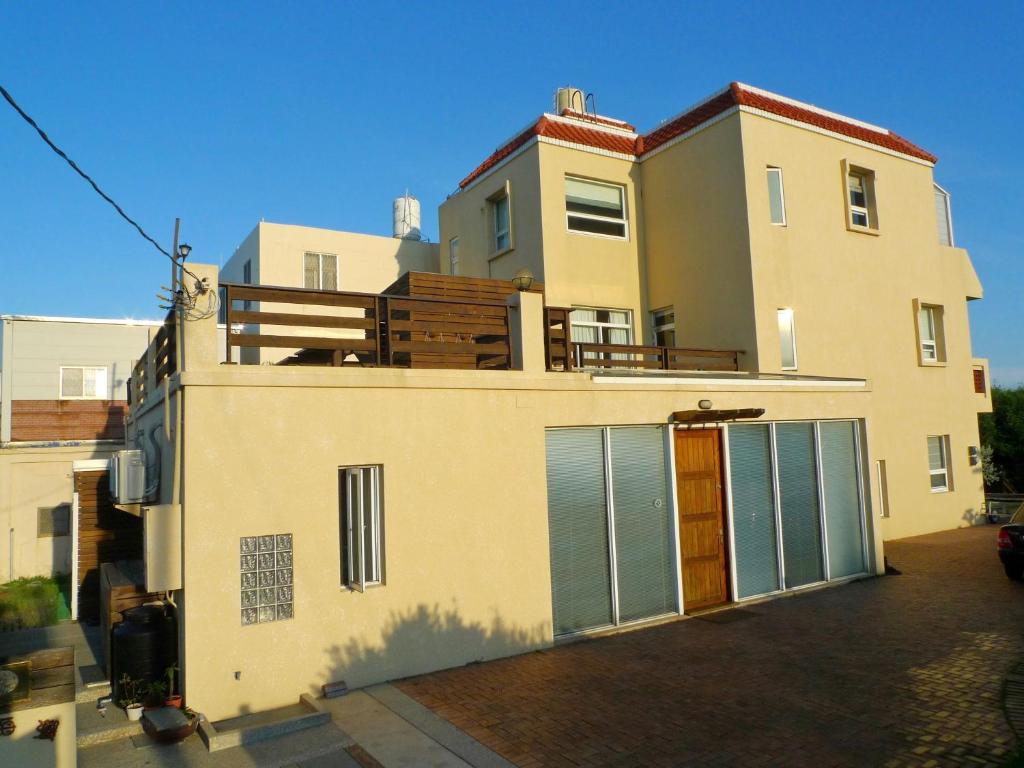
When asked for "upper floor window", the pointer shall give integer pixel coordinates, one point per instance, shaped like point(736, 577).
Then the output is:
point(930, 333)
point(453, 255)
point(320, 271)
point(362, 528)
point(79, 382)
point(862, 211)
point(943, 216)
point(501, 221)
point(776, 197)
point(663, 323)
point(787, 339)
point(595, 208)
point(938, 462)
point(247, 279)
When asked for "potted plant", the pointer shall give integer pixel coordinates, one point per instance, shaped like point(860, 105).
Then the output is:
point(131, 691)
point(156, 692)
point(173, 699)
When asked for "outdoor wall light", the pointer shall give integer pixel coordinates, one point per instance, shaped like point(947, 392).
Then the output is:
point(523, 279)
point(705, 405)
point(184, 250)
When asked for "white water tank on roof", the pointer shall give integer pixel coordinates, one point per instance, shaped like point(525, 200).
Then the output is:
point(406, 217)
point(570, 98)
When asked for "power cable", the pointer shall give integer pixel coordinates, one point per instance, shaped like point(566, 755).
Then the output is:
point(74, 166)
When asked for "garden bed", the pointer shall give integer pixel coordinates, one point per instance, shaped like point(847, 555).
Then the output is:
point(34, 602)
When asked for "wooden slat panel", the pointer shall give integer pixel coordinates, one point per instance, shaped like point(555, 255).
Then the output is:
point(306, 342)
point(279, 295)
point(458, 308)
point(444, 346)
point(319, 321)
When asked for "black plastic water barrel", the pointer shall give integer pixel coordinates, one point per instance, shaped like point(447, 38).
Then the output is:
point(144, 645)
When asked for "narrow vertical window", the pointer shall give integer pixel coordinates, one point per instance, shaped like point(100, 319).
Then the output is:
point(663, 323)
point(776, 197)
point(858, 200)
point(502, 228)
point(361, 527)
point(247, 279)
point(943, 216)
point(883, 488)
point(926, 324)
point(453, 255)
point(787, 339)
point(938, 462)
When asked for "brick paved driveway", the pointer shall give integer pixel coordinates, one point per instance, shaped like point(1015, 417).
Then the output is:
point(896, 671)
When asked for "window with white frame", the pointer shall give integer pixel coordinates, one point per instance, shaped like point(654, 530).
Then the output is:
point(929, 328)
point(501, 223)
point(362, 530)
point(787, 339)
point(78, 382)
point(320, 271)
point(663, 324)
point(938, 462)
point(453, 255)
point(776, 197)
point(595, 208)
point(860, 189)
point(943, 216)
point(601, 326)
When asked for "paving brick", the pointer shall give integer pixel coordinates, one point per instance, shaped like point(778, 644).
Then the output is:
point(897, 671)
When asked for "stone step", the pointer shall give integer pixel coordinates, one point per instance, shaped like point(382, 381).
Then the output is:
point(261, 726)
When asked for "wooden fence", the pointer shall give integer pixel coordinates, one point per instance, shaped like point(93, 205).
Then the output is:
point(368, 329)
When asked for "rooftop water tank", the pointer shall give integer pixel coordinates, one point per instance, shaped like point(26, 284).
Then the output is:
point(407, 217)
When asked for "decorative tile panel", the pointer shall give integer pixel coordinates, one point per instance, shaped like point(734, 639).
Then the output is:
point(266, 584)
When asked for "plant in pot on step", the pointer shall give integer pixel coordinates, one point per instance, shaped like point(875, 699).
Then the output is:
point(173, 699)
point(131, 691)
point(156, 693)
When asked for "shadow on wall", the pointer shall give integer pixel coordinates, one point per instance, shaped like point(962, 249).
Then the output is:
point(972, 516)
point(426, 639)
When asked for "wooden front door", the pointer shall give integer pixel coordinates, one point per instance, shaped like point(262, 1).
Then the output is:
point(701, 517)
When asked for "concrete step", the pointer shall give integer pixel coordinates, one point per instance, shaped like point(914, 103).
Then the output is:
point(261, 726)
point(96, 726)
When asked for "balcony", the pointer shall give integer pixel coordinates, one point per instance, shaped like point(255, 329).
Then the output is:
point(452, 323)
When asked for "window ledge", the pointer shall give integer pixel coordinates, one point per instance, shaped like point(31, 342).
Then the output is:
point(863, 230)
point(499, 254)
point(940, 490)
point(620, 238)
point(932, 363)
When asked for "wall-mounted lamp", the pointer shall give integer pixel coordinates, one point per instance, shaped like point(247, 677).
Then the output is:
point(972, 455)
point(705, 405)
point(523, 279)
point(184, 250)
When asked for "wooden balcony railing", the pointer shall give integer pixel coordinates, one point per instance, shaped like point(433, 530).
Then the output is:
point(161, 355)
point(370, 329)
point(566, 355)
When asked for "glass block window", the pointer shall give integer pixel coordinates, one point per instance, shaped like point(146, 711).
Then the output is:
point(266, 564)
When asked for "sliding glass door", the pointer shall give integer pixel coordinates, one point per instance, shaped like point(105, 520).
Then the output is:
point(797, 508)
point(611, 527)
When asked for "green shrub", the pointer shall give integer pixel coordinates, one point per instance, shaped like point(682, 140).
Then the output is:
point(33, 602)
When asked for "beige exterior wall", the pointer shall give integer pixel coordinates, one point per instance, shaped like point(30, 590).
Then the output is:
point(366, 263)
point(466, 215)
point(466, 557)
point(854, 296)
point(31, 478)
point(697, 243)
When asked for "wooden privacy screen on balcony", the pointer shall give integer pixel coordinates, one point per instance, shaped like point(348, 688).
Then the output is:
point(163, 352)
point(566, 355)
point(369, 330)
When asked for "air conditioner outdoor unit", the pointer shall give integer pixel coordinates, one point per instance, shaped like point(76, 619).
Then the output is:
point(128, 477)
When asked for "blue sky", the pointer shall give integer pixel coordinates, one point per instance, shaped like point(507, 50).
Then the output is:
point(320, 114)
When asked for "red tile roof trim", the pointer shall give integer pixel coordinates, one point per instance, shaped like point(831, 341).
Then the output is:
point(609, 121)
point(734, 95)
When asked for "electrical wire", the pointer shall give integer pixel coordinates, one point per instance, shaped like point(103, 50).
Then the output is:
point(74, 166)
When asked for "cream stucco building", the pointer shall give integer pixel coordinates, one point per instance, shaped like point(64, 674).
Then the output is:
point(749, 365)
